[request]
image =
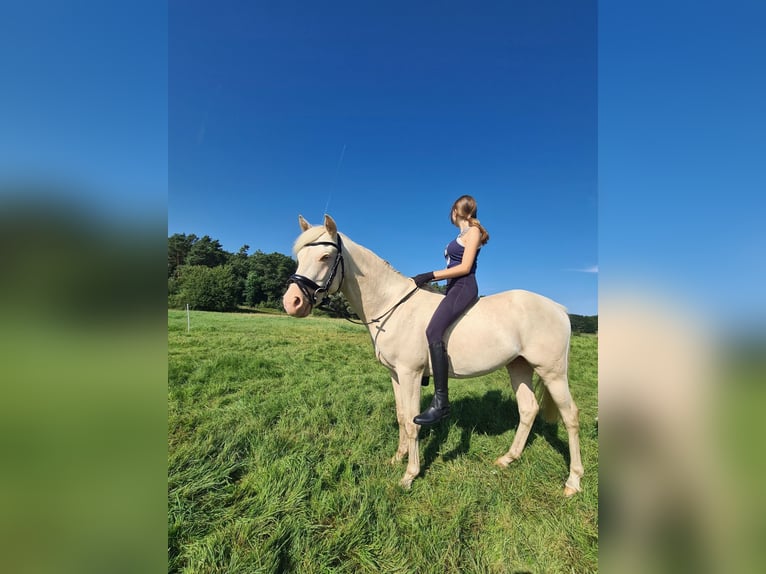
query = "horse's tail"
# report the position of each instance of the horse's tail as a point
(548, 408)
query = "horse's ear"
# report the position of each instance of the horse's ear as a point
(329, 225)
(303, 223)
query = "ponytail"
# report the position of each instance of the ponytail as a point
(473, 222)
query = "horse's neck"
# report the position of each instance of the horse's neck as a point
(372, 286)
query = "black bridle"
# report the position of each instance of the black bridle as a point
(308, 287)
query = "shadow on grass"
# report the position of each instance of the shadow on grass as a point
(245, 310)
(490, 414)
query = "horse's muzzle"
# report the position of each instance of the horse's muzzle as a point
(295, 303)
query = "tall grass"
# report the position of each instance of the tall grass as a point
(280, 436)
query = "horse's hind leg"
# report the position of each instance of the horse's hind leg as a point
(521, 381)
(558, 388)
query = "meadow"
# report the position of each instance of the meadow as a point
(280, 436)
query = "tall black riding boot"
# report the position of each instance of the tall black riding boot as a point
(440, 369)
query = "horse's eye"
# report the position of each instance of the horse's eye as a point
(325, 257)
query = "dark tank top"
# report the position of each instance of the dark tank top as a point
(454, 255)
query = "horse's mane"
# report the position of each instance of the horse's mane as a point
(314, 233)
(374, 255)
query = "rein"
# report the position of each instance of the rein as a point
(310, 289)
(391, 310)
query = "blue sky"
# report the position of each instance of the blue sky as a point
(382, 114)
(682, 155)
(232, 119)
(84, 101)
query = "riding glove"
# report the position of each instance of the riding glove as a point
(423, 278)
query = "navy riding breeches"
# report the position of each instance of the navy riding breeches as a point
(462, 292)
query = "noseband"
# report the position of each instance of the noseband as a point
(311, 289)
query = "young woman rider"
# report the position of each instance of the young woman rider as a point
(462, 291)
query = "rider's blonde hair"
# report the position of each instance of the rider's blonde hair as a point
(465, 207)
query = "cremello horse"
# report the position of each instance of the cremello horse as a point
(518, 330)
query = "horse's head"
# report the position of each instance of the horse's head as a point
(320, 267)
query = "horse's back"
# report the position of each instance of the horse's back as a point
(519, 307)
(527, 304)
(512, 323)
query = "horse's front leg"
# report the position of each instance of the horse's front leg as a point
(408, 406)
(403, 447)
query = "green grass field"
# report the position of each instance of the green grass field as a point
(280, 435)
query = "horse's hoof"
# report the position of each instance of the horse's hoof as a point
(503, 462)
(397, 459)
(406, 482)
(569, 491)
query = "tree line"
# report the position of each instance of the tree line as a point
(208, 278)
(584, 323)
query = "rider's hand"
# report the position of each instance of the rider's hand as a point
(423, 278)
